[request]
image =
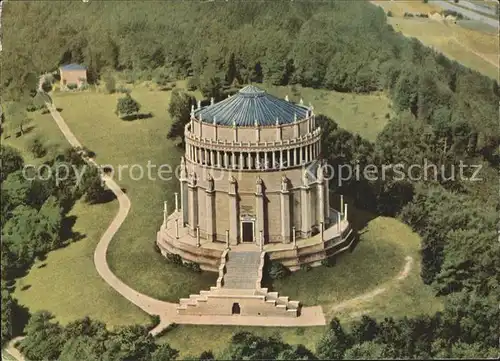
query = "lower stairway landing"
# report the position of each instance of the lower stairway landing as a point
(240, 293)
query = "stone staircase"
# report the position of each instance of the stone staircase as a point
(241, 270)
(239, 290)
(221, 301)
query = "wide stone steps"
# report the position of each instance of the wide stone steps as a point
(240, 287)
(204, 302)
(241, 270)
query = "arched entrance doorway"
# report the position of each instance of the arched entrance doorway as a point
(236, 309)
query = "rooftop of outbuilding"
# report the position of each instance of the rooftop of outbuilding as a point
(72, 67)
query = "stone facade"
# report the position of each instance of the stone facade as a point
(253, 182)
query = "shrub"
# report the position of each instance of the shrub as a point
(408, 15)
(174, 258)
(193, 266)
(46, 85)
(167, 329)
(459, 16)
(127, 106)
(192, 84)
(154, 321)
(71, 86)
(109, 83)
(130, 76)
(389, 13)
(37, 149)
(305, 267)
(84, 86)
(156, 247)
(161, 77)
(123, 90)
(278, 271)
(328, 262)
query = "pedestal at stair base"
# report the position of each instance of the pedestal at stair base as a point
(239, 292)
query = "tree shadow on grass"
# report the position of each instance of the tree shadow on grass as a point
(67, 234)
(106, 197)
(20, 317)
(130, 118)
(26, 130)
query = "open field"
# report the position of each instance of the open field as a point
(360, 271)
(41, 126)
(364, 114)
(399, 7)
(355, 273)
(475, 49)
(66, 282)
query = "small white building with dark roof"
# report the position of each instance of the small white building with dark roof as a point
(72, 74)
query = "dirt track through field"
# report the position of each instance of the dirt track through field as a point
(356, 301)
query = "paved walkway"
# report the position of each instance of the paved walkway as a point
(310, 316)
(12, 350)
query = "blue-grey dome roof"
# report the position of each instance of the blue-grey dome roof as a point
(252, 105)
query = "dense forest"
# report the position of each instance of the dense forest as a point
(446, 115)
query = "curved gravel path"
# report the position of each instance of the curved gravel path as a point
(149, 305)
(374, 293)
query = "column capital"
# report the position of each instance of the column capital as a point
(192, 179)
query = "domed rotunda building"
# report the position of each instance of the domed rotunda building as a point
(252, 182)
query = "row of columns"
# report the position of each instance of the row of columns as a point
(234, 222)
(254, 160)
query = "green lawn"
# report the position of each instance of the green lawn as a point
(193, 340)
(376, 259)
(41, 126)
(364, 114)
(66, 282)
(375, 262)
(131, 254)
